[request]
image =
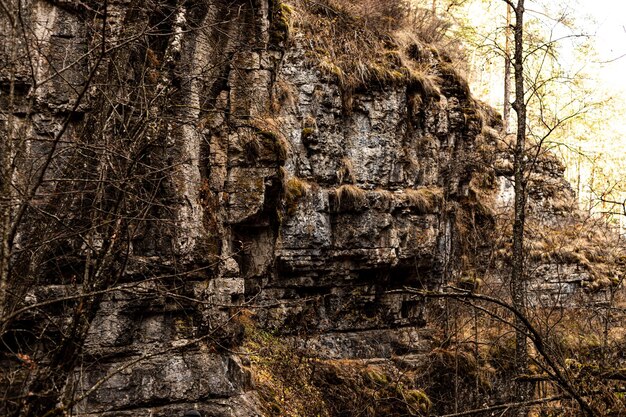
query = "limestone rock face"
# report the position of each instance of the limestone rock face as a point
(261, 188)
(239, 176)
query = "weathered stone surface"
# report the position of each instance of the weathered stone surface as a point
(237, 406)
(272, 196)
(251, 119)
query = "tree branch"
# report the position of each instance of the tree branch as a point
(508, 406)
(534, 335)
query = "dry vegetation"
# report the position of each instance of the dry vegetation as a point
(475, 361)
(294, 189)
(349, 197)
(372, 43)
(281, 377)
(291, 383)
(589, 245)
(423, 199)
(369, 43)
(556, 232)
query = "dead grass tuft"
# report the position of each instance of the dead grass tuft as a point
(424, 200)
(346, 172)
(294, 189)
(348, 197)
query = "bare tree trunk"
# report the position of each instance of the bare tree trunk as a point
(506, 103)
(523, 390)
(6, 172)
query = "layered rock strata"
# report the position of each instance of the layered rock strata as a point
(240, 177)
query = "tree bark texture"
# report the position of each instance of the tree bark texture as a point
(523, 390)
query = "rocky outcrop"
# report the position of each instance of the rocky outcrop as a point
(242, 179)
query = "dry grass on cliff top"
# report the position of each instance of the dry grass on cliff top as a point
(369, 42)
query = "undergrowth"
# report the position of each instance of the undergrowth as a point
(291, 383)
(281, 376)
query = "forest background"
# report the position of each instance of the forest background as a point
(580, 64)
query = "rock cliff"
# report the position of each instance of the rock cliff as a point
(221, 211)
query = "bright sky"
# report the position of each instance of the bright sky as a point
(608, 25)
(610, 36)
(605, 22)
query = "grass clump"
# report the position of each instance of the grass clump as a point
(346, 172)
(424, 200)
(294, 190)
(348, 197)
(417, 400)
